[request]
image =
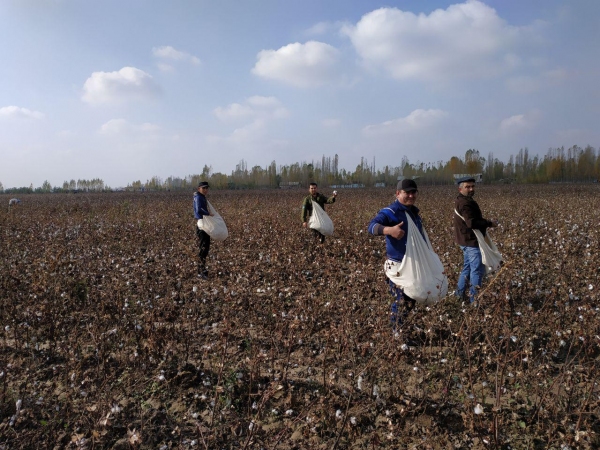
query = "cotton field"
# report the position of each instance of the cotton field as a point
(108, 339)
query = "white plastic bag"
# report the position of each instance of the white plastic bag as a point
(320, 221)
(421, 274)
(490, 255)
(214, 225)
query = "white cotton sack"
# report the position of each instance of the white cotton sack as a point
(421, 274)
(214, 225)
(320, 221)
(490, 255)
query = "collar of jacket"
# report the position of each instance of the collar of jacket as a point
(413, 209)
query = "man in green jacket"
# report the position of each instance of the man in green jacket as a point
(307, 207)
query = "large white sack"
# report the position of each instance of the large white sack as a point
(421, 274)
(320, 221)
(490, 255)
(214, 225)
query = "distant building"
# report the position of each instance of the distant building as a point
(290, 184)
(347, 186)
(478, 176)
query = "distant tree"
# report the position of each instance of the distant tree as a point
(135, 186)
(154, 183)
(206, 172)
(456, 165)
(498, 169)
(1, 187)
(218, 180)
(474, 162)
(586, 163)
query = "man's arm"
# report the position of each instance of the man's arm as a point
(200, 207)
(381, 226)
(306, 208)
(473, 218)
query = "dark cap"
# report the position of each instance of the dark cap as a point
(467, 179)
(406, 185)
(203, 184)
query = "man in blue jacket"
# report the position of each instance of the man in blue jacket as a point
(201, 210)
(391, 222)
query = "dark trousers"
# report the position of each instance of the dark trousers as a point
(401, 300)
(318, 236)
(203, 248)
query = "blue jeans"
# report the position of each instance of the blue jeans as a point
(400, 300)
(473, 272)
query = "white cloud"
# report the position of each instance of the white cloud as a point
(252, 139)
(527, 84)
(250, 132)
(319, 29)
(256, 107)
(519, 122)
(121, 126)
(128, 83)
(19, 113)
(301, 65)
(165, 67)
(168, 52)
(253, 136)
(66, 134)
(256, 114)
(115, 126)
(149, 127)
(268, 107)
(418, 120)
(331, 123)
(322, 28)
(264, 102)
(466, 40)
(233, 112)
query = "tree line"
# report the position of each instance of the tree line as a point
(574, 164)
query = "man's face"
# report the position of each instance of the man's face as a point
(312, 189)
(203, 190)
(467, 189)
(406, 198)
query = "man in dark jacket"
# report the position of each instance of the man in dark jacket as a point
(201, 210)
(469, 218)
(307, 208)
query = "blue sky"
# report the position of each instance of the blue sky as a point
(125, 90)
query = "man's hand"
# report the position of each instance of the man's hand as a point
(396, 231)
(494, 223)
(305, 224)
